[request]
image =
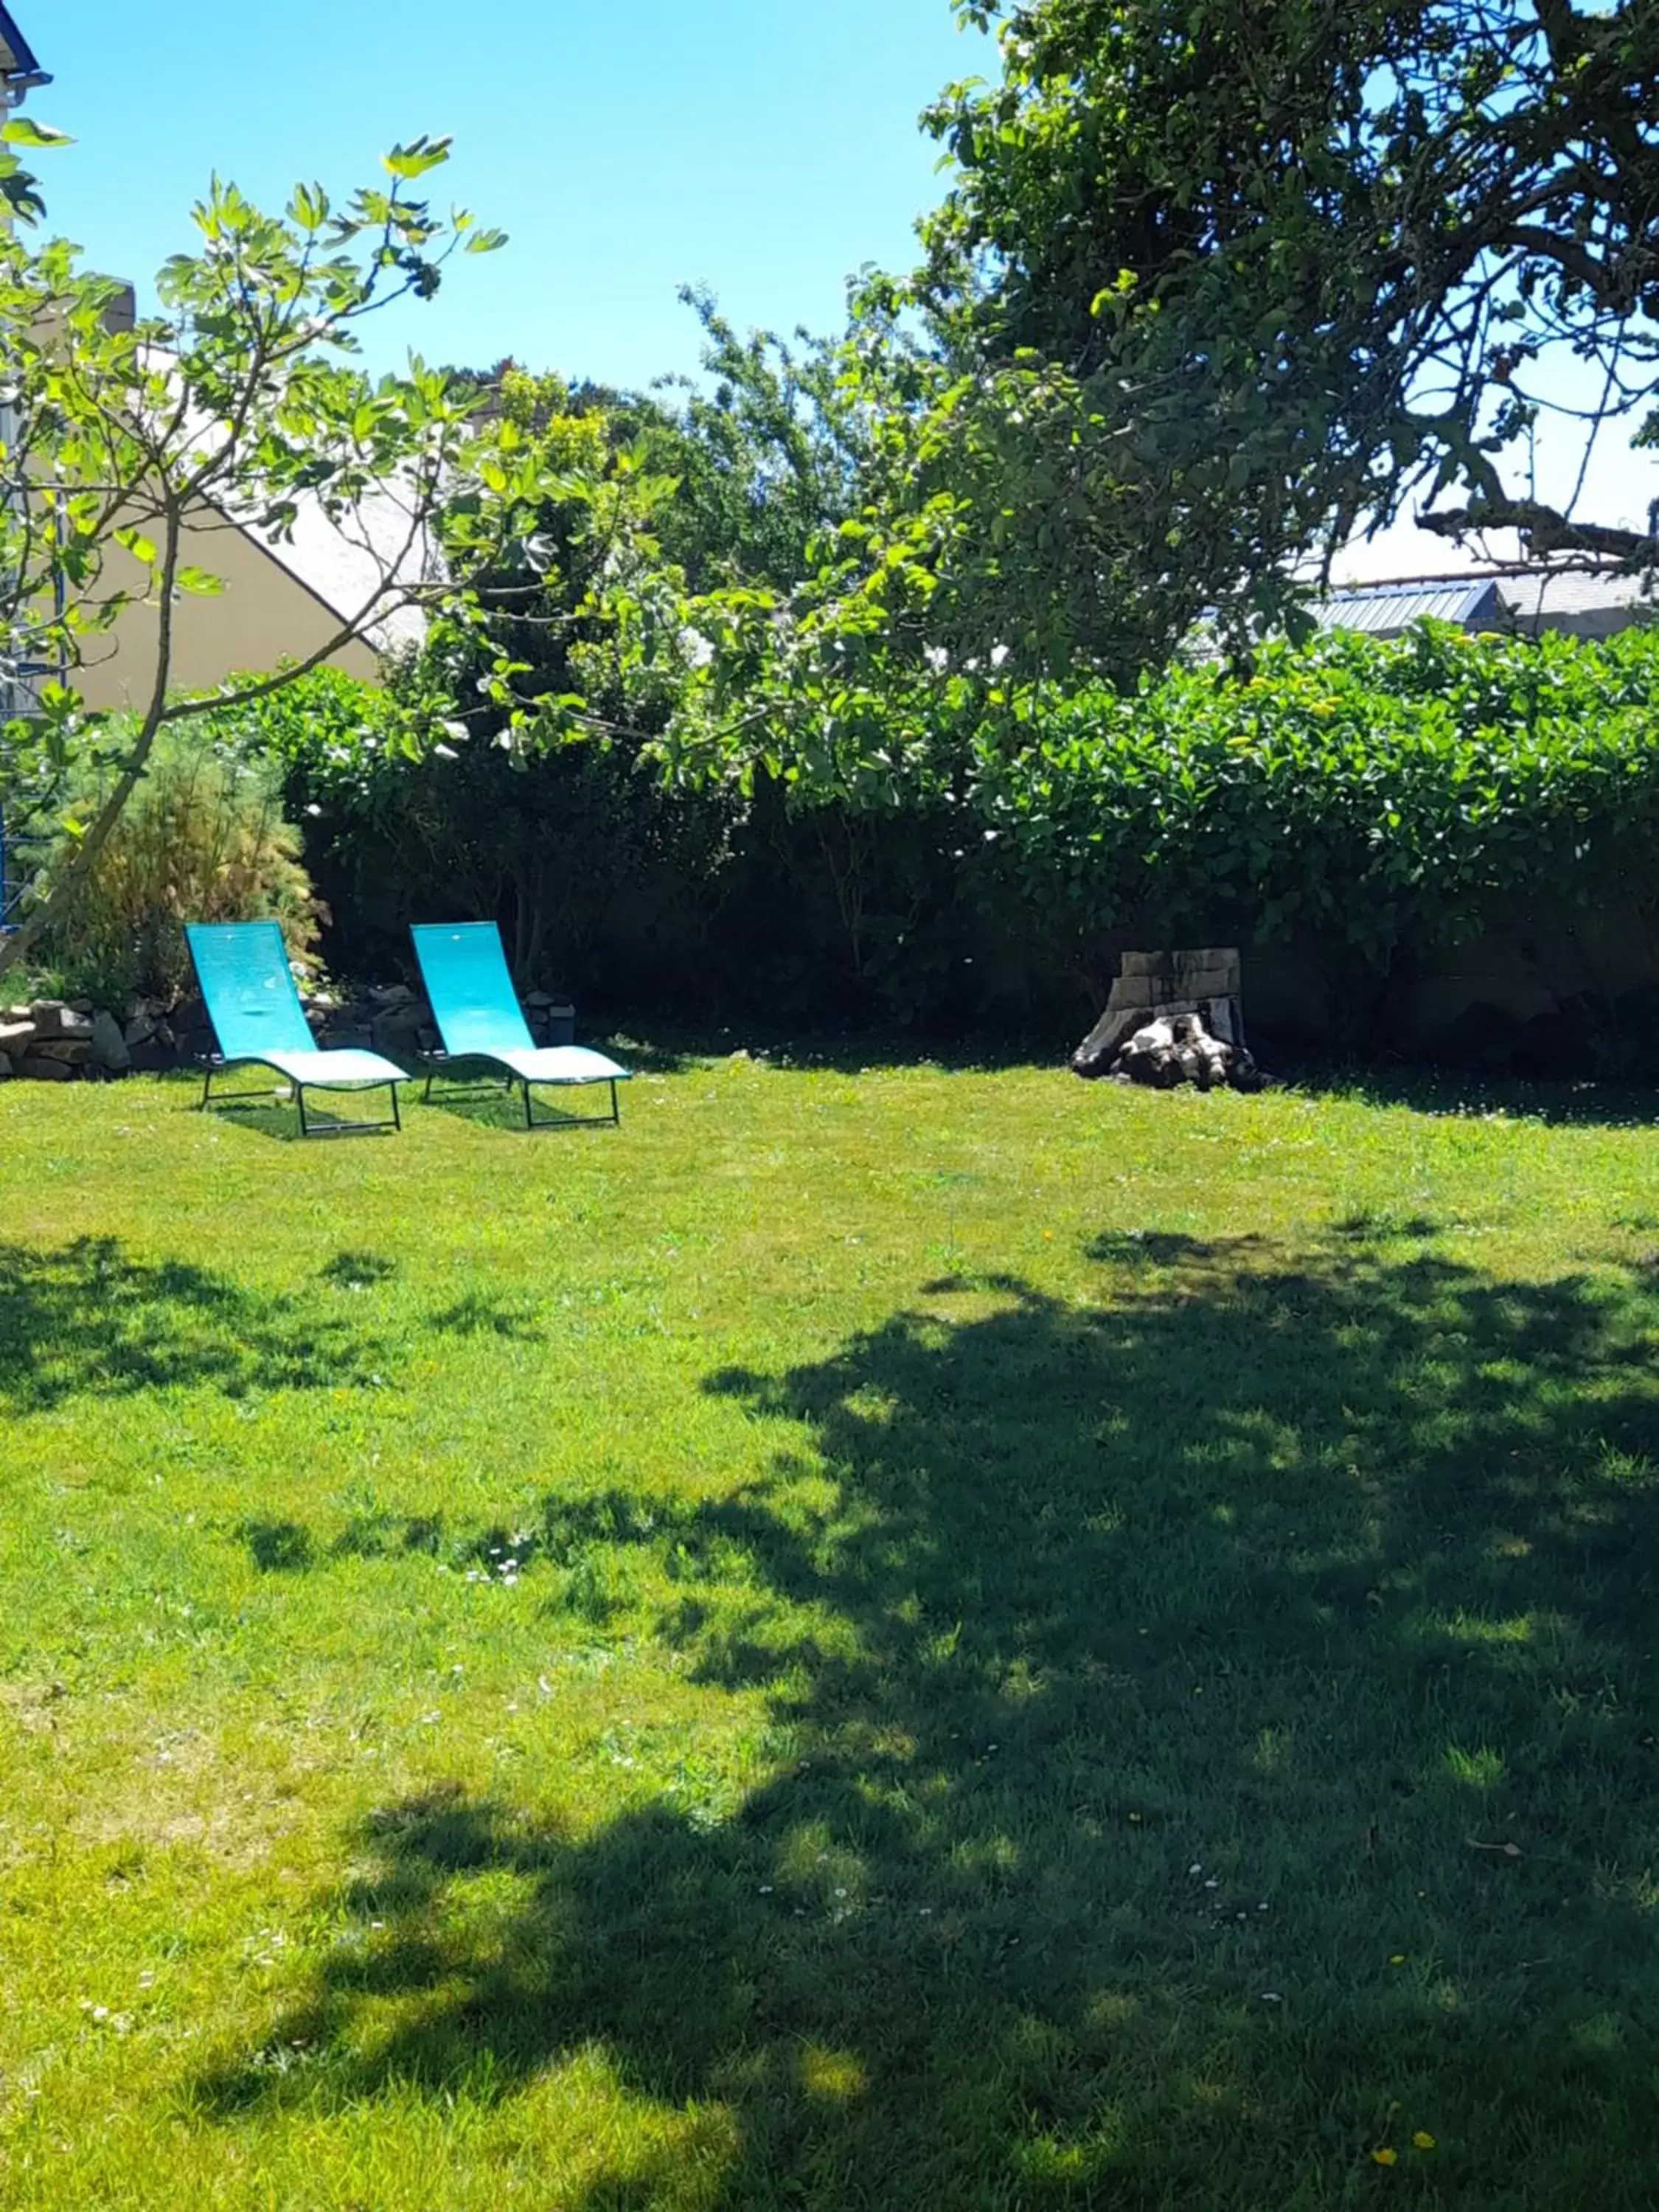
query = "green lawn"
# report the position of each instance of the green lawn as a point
(896, 1638)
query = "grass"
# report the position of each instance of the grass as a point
(896, 1638)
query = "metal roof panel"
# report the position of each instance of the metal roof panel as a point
(1382, 609)
(15, 51)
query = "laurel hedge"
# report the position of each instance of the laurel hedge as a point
(1368, 803)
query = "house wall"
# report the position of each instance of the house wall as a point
(263, 616)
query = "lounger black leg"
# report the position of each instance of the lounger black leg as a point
(561, 1120)
(239, 1101)
(308, 1128)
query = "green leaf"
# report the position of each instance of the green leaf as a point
(486, 242)
(416, 158)
(309, 207)
(141, 548)
(24, 131)
(199, 583)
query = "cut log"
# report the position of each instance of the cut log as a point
(1174, 1049)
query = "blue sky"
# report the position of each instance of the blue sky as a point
(764, 148)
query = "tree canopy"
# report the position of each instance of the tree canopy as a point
(241, 401)
(1297, 261)
(1214, 284)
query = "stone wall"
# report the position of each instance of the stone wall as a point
(63, 1041)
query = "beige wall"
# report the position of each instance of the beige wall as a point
(263, 616)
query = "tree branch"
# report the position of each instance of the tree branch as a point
(65, 891)
(1547, 531)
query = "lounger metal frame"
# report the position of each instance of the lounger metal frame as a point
(436, 1062)
(215, 1063)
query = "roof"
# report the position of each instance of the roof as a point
(17, 56)
(1381, 609)
(345, 563)
(1588, 602)
(1566, 592)
(353, 564)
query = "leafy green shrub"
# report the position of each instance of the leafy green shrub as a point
(969, 854)
(203, 838)
(600, 877)
(1368, 799)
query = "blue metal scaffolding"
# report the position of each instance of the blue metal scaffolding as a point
(17, 852)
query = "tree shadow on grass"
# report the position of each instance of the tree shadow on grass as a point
(484, 1313)
(278, 1548)
(88, 1319)
(1447, 1091)
(1212, 1738)
(669, 1049)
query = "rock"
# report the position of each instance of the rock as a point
(15, 1035)
(151, 1057)
(73, 1052)
(109, 1046)
(139, 1029)
(42, 1070)
(394, 994)
(5, 1066)
(397, 1028)
(53, 1019)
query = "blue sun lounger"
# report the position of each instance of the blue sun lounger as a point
(480, 1021)
(242, 967)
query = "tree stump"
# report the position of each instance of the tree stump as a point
(1172, 1018)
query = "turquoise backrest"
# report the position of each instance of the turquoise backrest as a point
(242, 967)
(473, 1001)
